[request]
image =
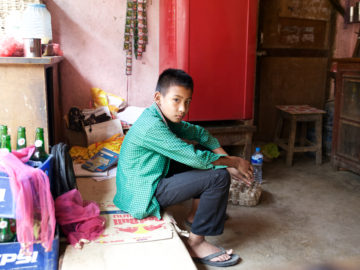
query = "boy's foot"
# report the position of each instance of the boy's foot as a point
(203, 249)
(234, 259)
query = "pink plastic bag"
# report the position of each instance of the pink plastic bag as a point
(11, 47)
(79, 219)
(35, 213)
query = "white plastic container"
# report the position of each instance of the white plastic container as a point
(37, 23)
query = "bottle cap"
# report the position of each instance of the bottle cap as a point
(257, 149)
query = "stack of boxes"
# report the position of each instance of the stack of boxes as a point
(10, 255)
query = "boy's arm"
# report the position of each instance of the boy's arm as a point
(239, 168)
(196, 133)
(162, 140)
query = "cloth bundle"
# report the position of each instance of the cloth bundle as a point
(34, 202)
(79, 219)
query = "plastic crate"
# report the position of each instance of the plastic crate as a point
(7, 203)
(10, 257)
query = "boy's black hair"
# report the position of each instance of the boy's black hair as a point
(173, 77)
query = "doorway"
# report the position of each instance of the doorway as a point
(295, 40)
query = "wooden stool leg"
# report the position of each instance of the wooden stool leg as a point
(278, 128)
(303, 133)
(318, 131)
(291, 142)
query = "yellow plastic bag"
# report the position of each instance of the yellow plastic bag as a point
(115, 103)
(102, 98)
(99, 97)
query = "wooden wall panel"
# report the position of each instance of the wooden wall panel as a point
(23, 100)
(295, 24)
(295, 43)
(286, 81)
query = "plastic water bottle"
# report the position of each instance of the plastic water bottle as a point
(257, 161)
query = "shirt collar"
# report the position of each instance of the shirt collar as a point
(160, 113)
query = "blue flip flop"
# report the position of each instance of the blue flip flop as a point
(234, 259)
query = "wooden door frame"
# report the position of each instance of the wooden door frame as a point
(291, 52)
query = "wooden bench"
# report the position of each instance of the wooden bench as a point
(232, 133)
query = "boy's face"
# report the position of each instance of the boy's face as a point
(175, 104)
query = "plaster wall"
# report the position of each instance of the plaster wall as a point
(91, 35)
(345, 38)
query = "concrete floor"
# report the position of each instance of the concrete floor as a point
(308, 215)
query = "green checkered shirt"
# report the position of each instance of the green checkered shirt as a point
(145, 157)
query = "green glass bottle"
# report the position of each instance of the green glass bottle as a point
(21, 138)
(6, 142)
(2, 141)
(6, 234)
(3, 130)
(39, 154)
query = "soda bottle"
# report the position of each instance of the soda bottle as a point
(13, 227)
(39, 155)
(257, 161)
(3, 130)
(6, 234)
(21, 138)
(6, 142)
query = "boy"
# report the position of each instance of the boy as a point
(145, 184)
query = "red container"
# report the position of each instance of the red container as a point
(215, 42)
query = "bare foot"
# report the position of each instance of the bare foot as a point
(200, 248)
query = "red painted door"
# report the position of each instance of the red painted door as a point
(215, 42)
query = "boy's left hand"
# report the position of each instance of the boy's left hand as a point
(235, 174)
(240, 169)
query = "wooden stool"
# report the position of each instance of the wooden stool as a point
(303, 114)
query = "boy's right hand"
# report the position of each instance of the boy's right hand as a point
(238, 167)
(236, 175)
(244, 170)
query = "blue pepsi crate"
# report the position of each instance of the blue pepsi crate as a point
(10, 257)
(7, 203)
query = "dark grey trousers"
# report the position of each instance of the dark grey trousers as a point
(211, 186)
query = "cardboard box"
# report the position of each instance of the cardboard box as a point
(10, 257)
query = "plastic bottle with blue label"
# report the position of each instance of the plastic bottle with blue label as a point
(257, 162)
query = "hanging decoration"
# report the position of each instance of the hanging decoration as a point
(136, 37)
